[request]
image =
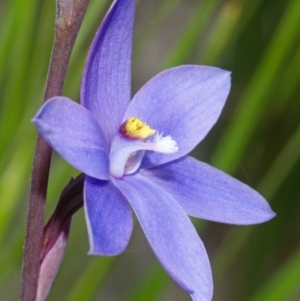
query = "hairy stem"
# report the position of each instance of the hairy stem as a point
(69, 16)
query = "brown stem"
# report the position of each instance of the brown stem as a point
(69, 16)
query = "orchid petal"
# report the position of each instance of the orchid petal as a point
(106, 82)
(206, 192)
(121, 149)
(126, 154)
(108, 217)
(183, 102)
(171, 235)
(74, 133)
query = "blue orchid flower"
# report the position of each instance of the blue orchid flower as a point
(134, 155)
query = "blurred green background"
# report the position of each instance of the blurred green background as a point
(257, 139)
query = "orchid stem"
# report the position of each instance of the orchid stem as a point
(68, 20)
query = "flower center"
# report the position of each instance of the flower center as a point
(129, 146)
(135, 128)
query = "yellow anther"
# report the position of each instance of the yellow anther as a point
(135, 128)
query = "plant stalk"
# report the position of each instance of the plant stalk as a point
(68, 20)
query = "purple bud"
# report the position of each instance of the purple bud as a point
(56, 235)
(51, 262)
